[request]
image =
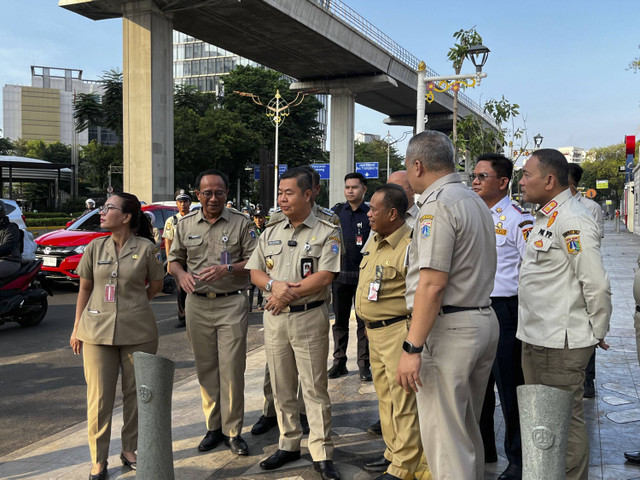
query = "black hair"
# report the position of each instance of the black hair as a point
(553, 162)
(575, 172)
(212, 171)
(500, 164)
(140, 224)
(315, 175)
(302, 176)
(394, 197)
(358, 176)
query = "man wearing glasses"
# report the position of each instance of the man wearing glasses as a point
(215, 243)
(491, 179)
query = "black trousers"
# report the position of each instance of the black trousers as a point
(181, 296)
(507, 374)
(590, 372)
(343, 298)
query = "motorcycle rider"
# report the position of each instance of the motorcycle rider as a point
(10, 255)
(90, 204)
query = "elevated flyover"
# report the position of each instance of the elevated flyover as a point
(322, 43)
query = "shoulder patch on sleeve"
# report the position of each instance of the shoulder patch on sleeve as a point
(525, 223)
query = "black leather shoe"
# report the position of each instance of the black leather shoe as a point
(589, 389)
(378, 464)
(304, 423)
(633, 457)
(278, 459)
(387, 476)
(211, 440)
(513, 472)
(181, 324)
(337, 371)
(127, 463)
(375, 428)
(237, 445)
(365, 374)
(263, 425)
(102, 475)
(327, 469)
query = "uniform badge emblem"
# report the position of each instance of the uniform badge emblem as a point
(269, 263)
(501, 231)
(526, 232)
(499, 210)
(134, 256)
(572, 239)
(425, 228)
(502, 217)
(252, 233)
(552, 219)
(538, 243)
(335, 248)
(548, 208)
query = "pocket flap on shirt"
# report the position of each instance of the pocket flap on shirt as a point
(273, 250)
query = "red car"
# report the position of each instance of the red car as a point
(62, 250)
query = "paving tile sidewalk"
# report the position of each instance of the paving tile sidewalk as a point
(613, 417)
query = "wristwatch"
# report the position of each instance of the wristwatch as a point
(229, 268)
(267, 287)
(410, 348)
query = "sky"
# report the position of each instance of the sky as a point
(564, 62)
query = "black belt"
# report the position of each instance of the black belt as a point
(305, 307)
(385, 323)
(503, 299)
(212, 295)
(637, 308)
(449, 309)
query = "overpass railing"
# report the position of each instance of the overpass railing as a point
(346, 14)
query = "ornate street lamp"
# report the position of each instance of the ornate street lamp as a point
(537, 140)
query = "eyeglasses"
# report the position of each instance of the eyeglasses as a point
(208, 194)
(481, 177)
(105, 209)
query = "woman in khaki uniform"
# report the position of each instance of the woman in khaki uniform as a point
(114, 319)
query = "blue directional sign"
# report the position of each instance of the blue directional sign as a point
(368, 169)
(323, 169)
(282, 167)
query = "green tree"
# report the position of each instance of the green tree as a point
(376, 151)
(95, 159)
(189, 97)
(457, 54)
(6, 146)
(634, 64)
(603, 164)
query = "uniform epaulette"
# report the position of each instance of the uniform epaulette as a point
(328, 224)
(274, 222)
(327, 211)
(518, 208)
(190, 214)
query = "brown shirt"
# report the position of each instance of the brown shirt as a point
(454, 234)
(389, 254)
(199, 244)
(317, 245)
(128, 319)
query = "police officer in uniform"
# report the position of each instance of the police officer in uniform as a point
(381, 305)
(268, 418)
(295, 262)
(491, 180)
(564, 294)
(215, 244)
(453, 336)
(183, 202)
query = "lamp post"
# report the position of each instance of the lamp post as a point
(277, 110)
(537, 141)
(389, 143)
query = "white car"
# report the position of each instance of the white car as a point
(15, 215)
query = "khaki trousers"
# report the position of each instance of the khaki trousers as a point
(101, 366)
(269, 407)
(297, 347)
(217, 331)
(456, 363)
(563, 368)
(398, 410)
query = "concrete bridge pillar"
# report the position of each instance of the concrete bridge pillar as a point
(147, 101)
(341, 126)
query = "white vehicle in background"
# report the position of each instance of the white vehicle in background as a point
(14, 212)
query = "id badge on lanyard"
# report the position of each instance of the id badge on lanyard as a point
(225, 256)
(374, 287)
(359, 239)
(110, 289)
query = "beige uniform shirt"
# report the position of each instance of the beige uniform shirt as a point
(320, 212)
(199, 244)
(454, 234)
(595, 210)
(170, 226)
(384, 262)
(128, 318)
(564, 292)
(317, 248)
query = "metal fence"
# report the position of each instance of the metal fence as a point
(347, 15)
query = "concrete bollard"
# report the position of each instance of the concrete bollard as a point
(545, 415)
(154, 384)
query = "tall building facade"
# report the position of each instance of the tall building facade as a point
(44, 110)
(204, 65)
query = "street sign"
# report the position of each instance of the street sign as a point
(368, 169)
(109, 189)
(282, 167)
(591, 193)
(323, 169)
(622, 168)
(602, 184)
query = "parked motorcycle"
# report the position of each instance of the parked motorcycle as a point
(23, 295)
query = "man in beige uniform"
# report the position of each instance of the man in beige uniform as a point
(295, 262)
(634, 456)
(564, 294)
(215, 244)
(268, 418)
(451, 271)
(381, 305)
